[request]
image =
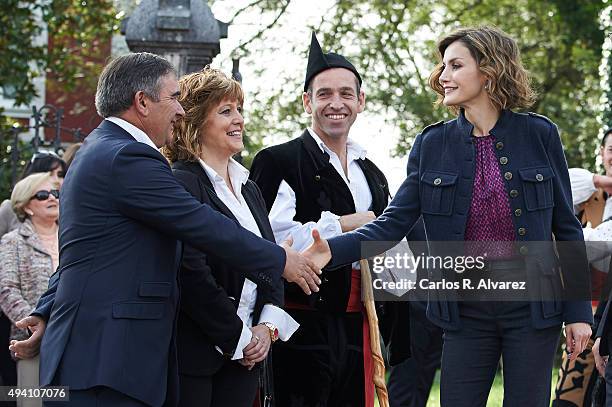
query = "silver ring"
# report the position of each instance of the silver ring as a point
(256, 338)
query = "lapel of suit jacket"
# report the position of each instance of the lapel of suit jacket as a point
(197, 169)
(260, 215)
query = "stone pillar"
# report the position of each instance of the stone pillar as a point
(183, 31)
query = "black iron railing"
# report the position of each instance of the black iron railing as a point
(45, 117)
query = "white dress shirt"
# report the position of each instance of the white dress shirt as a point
(134, 131)
(283, 210)
(286, 325)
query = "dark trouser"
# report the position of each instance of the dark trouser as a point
(233, 385)
(471, 355)
(99, 396)
(608, 378)
(322, 364)
(8, 368)
(608, 373)
(410, 381)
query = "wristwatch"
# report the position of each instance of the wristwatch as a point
(273, 331)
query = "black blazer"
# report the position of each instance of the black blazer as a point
(210, 291)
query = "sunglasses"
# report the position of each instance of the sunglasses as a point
(44, 195)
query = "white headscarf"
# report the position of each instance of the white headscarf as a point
(582, 185)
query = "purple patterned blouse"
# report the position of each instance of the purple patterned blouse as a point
(490, 217)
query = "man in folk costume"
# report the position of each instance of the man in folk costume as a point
(322, 180)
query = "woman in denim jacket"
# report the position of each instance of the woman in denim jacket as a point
(500, 179)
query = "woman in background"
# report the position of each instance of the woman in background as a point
(28, 257)
(40, 162)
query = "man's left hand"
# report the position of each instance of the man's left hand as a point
(29, 348)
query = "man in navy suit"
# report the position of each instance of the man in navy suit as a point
(111, 311)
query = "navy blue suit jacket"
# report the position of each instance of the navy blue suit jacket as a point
(438, 186)
(112, 311)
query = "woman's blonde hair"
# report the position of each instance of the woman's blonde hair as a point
(25, 189)
(200, 92)
(498, 58)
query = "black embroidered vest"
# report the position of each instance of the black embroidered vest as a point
(318, 187)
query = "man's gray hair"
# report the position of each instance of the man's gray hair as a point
(126, 75)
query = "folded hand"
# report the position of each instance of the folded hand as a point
(258, 348)
(30, 347)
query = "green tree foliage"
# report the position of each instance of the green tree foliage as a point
(607, 69)
(394, 44)
(78, 33)
(12, 161)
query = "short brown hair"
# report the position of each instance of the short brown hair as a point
(200, 92)
(498, 58)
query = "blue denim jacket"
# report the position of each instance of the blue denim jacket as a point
(439, 184)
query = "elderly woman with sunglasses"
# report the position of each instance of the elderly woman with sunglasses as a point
(40, 162)
(28, 257)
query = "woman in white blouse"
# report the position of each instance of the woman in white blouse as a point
(227, 323)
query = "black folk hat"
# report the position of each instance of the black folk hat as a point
(319, 62)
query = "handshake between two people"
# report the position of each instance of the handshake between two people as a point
(304, 268)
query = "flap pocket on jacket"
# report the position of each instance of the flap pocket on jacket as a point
(439, 179)
(539, 174)
(538, 187)
(138, 310)
(155, 289)
(438, 192)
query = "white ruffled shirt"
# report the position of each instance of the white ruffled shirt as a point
(283, 210)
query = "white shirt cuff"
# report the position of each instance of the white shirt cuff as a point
(328, 227)
(245, 339)
(279, 318)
